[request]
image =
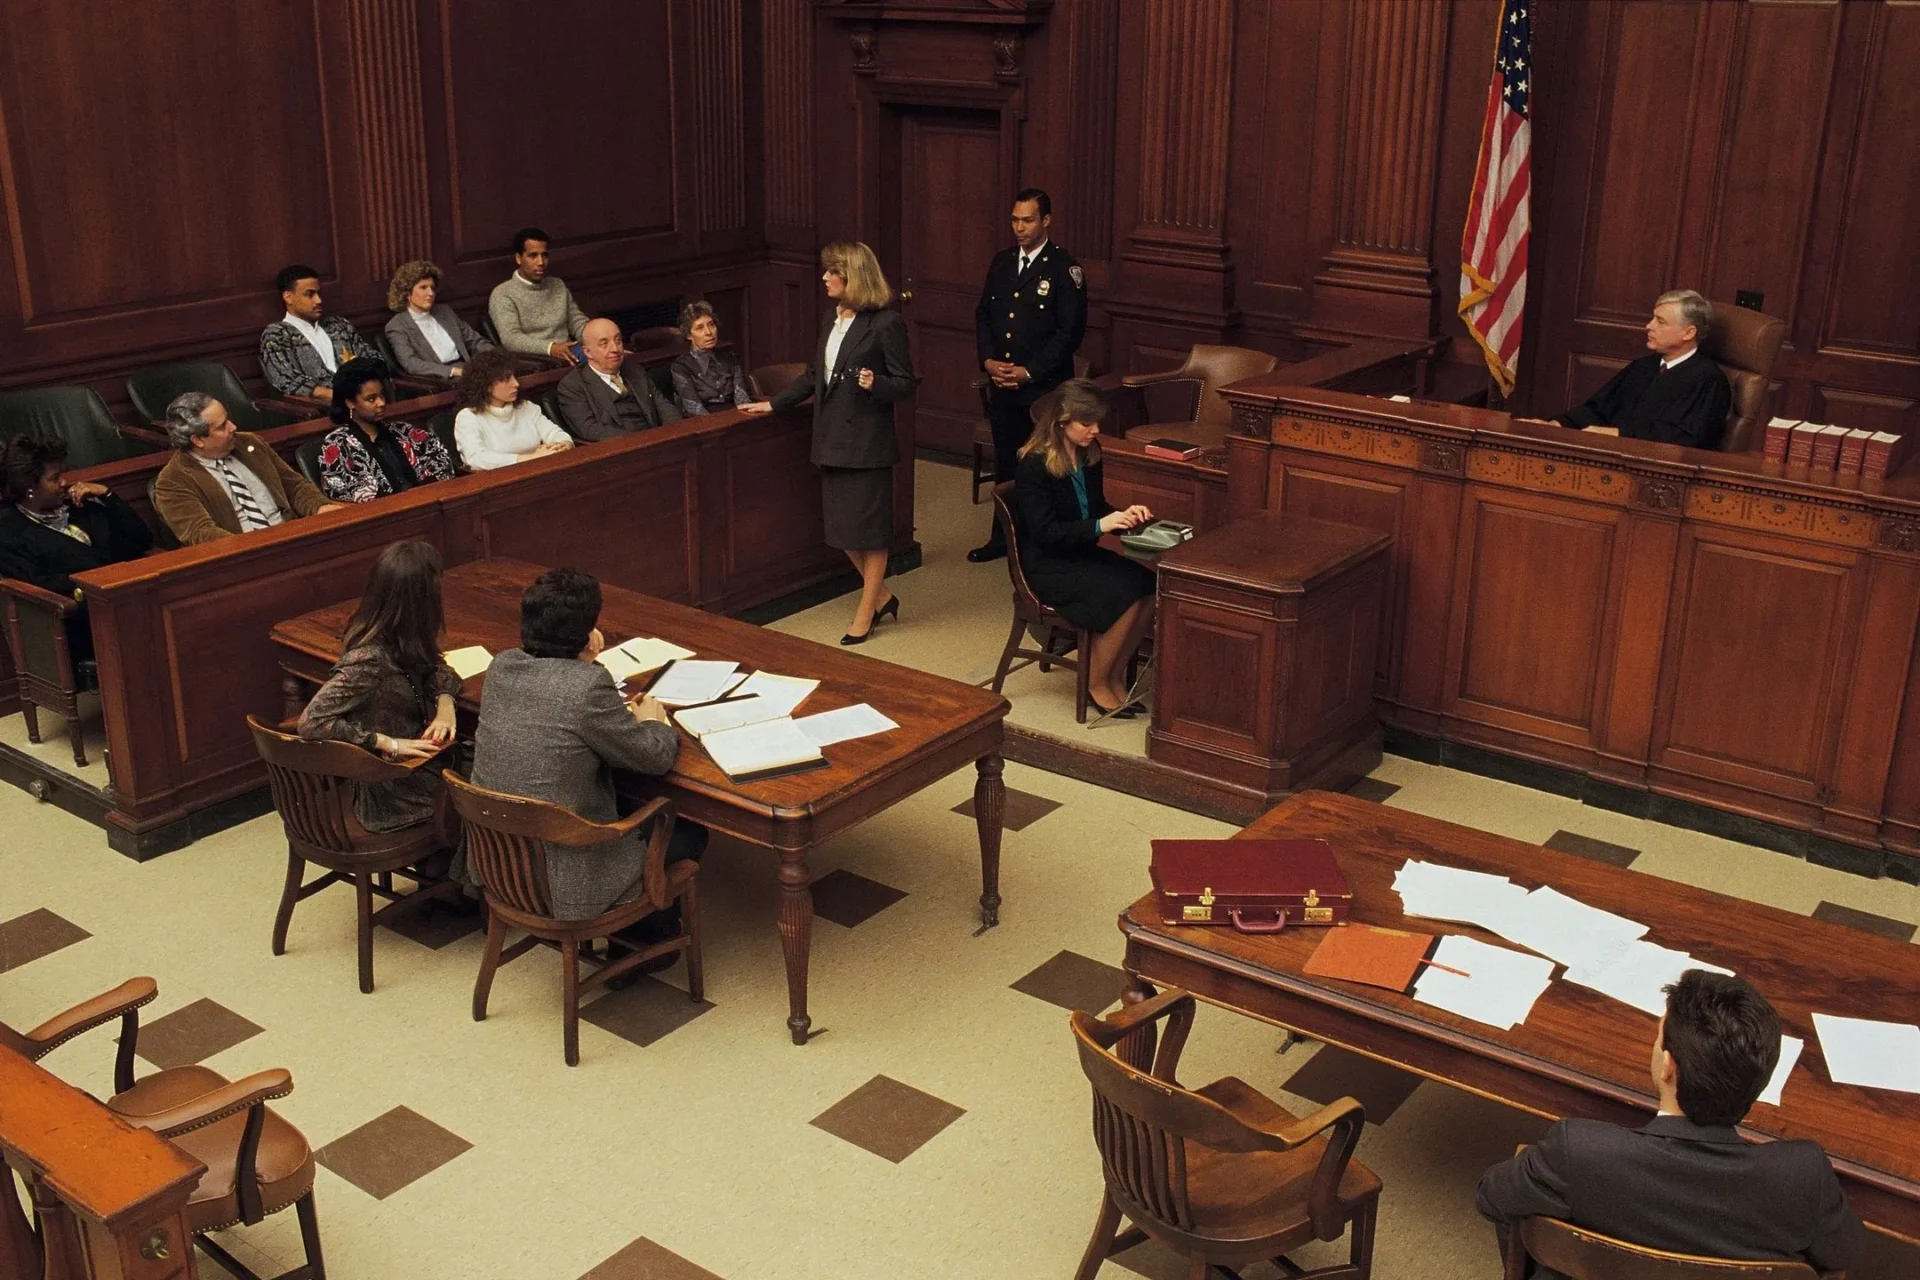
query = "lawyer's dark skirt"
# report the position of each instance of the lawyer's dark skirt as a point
(858, 505)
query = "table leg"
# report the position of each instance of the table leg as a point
(989, 802)
(796, 936)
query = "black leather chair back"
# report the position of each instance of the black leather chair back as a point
(76, 415)
(151, 390)
(306, 459)
(163, 535)
(441, 424)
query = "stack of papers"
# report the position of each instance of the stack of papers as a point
(639, 656)
(468, 662)
(1638, 974)
(1571, 932)
(843, 725)
(690, 681)
(1879, 1055)
(1448, 893)
(1492, 984)
(784, 692)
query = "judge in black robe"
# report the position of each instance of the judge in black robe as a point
(1675, 394)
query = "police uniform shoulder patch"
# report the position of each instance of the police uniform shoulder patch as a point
(1079, 277)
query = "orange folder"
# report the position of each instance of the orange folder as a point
(1367, 953)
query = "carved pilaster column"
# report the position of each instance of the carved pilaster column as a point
(720, 179)
(787, 70)
(1379, 276)
(1186, 93)
(384, 58)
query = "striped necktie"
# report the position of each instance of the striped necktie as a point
(251, 516)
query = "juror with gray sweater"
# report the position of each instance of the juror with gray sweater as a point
(555, 729)
(530, 317)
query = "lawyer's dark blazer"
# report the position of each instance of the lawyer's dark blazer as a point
(31, 552)
(1685, 405)
(1682, 1187)
(851, 427)
(1060, 548)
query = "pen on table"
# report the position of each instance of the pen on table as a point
(1446, 968)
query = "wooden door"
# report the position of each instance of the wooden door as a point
(952, 219)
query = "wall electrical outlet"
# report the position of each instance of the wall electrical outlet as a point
(1751, 299)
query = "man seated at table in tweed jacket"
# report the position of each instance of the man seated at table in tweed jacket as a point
(554, 727)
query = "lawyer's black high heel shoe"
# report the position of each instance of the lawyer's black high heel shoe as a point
(851, 638)
(891, 609)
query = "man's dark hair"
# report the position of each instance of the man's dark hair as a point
(1725, 1041)
(558, 613)
(525, 234)
(26, 459)
(349, 378)
(1039, 197)
(290, 276)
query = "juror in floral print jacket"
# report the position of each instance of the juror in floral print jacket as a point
(350, 473)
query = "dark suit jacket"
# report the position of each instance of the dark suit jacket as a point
(1687, 405)
(1682, 1187)
(851, 427)
(197, 509)
(31, 552)
(1036, 319)
(416, 355)
(587, 403)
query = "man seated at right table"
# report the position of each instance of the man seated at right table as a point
(1688, 1182)
(1676, 395)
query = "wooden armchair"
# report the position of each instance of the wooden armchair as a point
(506, 851)
(1030, 613)
(769, 380)
(312, 785)
(37, 622)
(256, 1162)
(1580, 1254)
(1220, 1174)
(1213, 368)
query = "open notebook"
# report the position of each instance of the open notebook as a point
(763, 749)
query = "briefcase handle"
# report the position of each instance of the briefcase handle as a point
(1279, 923)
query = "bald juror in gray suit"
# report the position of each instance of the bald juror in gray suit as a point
(554, 727)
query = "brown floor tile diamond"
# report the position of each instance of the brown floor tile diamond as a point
(1073, 981)
(1374, 789)
(1834, 913)
(1021, 809)
(192, 1033)
(645, 1011)
(849, 899)
(645, 1260)
(890, 1119)
(26, 938)
(391, 1152)
(1573, 842)
(1334, 1073)
(434, 924)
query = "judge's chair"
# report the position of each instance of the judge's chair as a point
(1211, 368)
(1580, 1254)
(1221, 1175)
(312, 784)
(506, 852)
(37, 623)
(1745, 343)
(256, 1162)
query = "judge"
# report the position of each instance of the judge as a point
(1675, 395)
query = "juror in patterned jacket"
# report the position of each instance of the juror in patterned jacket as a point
(367, 455)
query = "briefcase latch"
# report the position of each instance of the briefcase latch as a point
(1313, 912)
(1202, 912)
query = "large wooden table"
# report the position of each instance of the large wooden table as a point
(944, 725)
(1578, 1053)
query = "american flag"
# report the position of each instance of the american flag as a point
(1493, 249)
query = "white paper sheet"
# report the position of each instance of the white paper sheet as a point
(1638, 974)
(843, 725)
(1567, 930)
(785, 692)
(718, 717)
(693, 680)
(639, 655)
(1450, 893)
(769, 744)
(468, 662)
(1496, 986)
(1790, 1047)
(1879, 1055)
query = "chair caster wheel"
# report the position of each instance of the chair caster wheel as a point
(39, 790)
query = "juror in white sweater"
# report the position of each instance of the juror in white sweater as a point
(503, 434)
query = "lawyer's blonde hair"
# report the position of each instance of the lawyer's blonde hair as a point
(852, 261)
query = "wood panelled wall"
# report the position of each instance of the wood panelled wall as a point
(1277, 173)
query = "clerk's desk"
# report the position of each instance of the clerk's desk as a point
(943, 726)
(1669, 622)
(721, 512)
(1579, 1053)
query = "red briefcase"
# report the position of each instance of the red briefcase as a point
(1257, 886)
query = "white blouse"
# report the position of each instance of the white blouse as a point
(840, 326)
(496, 437)
(436, 335)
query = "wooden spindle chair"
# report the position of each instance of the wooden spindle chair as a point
(256, 1162)
(1580, 1254)
(1029, 614)
(507, 838)
(313, 786)
(1221, 1174)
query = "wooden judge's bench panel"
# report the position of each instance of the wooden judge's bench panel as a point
(1708, 626)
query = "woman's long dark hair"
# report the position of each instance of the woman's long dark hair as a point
(401, 609)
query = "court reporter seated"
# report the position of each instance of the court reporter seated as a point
(495, 427)
(369, 455)
(1687, 1182)
(221, 481)
(1061, 511)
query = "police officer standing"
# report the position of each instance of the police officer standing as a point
(1031, 318)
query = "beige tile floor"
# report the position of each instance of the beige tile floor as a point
(703, 1142)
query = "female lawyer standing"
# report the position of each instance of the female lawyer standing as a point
(860, 368)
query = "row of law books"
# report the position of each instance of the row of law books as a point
(1871, 455)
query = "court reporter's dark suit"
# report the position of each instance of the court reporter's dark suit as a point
(1682, 1187)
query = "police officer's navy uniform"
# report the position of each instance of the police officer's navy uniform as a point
(1036, 319)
